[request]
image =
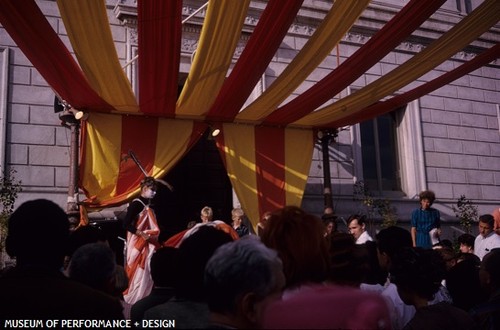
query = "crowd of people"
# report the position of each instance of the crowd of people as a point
(296, 271)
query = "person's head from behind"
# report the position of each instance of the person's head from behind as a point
(193, 256)
(471, 257)
(241, 279)
(163, 266)
(466, 242)
(462, 281)
(356, 225)
(489, 271)
(206, 214)
(366, 261)
(94, 265)
(85, 235)
(449, 256)
(426, 198)
(486, 223)
(298, 238)
(417, 273)
(443, 244)
(389, 241)
(38, 232)
(148, 187)
(342, 266)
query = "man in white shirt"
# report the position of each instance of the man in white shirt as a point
(357, 227)
(487, 239)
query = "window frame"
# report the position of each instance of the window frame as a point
(409, 149)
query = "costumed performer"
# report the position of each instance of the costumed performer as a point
(142, 240)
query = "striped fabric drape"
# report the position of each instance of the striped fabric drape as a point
(410, 17)
(33, 34)
(108, 175)
(93, 45)
(266, 176)
(466, 31)
(259, 51)
(335, 25)
(268, 165)
(219, 37)
(383, 107)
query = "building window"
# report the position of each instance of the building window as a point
(388, 153)
(379, 153)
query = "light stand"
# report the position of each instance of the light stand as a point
(71, 118)
(325, 137)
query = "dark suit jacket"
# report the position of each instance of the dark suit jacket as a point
(47, 294)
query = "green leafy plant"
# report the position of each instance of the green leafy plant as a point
(9, 189)
(375, 206)
(466, 212)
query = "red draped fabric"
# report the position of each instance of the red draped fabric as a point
(139, 134)
(33, 34)
(397, 101)
(270, 167)
(394, 32)
(160, 30)
(252, 63)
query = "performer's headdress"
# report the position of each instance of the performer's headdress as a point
(149, 182)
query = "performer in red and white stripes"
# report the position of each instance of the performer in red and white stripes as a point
(142, 240)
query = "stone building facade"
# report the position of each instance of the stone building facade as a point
(447, 141)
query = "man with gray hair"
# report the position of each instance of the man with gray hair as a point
(241, 279)
(237, 216)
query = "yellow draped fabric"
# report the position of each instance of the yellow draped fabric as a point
(172, 144)
(219, 37)
(241, 149)
(297, 164)
(240, 166)
(335, 25)
(102, 161)
(471, 27)
(89, 32)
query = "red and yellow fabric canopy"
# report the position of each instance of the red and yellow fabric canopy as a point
(266, 146)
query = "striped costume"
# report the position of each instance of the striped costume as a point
(139, 253)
